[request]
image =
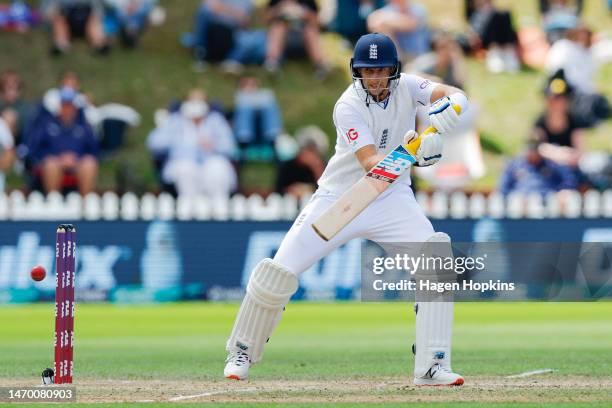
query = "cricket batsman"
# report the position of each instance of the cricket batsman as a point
(373, 116)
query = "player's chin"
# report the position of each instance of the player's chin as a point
(376, 93)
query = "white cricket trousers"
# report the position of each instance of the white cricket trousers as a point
(393, 217)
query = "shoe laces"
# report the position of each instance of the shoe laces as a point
(436, 369)
(239, 358)
(444, 368)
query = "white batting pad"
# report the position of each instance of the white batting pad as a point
(434, 319)
(434, 324)
(269, 289)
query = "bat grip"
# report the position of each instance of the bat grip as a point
(413, 146)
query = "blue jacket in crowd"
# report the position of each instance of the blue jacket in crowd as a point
(524, 177)
(48, 136)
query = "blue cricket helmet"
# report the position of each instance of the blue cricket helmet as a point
(375, 51)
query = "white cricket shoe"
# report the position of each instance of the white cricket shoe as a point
(237, 366)
(439, 375)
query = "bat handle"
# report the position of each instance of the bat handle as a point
(413, 146)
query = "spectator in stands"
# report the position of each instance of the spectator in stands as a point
(299, 176)
(16, 112)
(63, 145)
(405, 22)
(351, 16)
(73, 19)
(573, 56)
(129, 18)
(561, 135)
(110, 121)
(7, 151)
(446, 63)
(257, 117)
(491, 29)
(558, 16)
(51, 100)
(17, 17)
(287, 18)
(50, 106)
(249, 48)
(215, 26)
(199, 145)
(531, 172)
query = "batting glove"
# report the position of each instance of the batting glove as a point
(444, 113)
(429, 149)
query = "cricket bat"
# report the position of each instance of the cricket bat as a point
(367, 189)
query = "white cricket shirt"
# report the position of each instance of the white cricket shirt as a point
(381, 124)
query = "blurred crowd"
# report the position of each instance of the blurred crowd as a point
(199, 147)
(99, 22)
(56, 143)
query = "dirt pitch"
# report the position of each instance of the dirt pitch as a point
(538, 389)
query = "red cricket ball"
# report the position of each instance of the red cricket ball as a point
(38, 273)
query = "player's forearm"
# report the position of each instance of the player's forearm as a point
(368, 157)
(372, 161)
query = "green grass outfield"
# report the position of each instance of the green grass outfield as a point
(322, 353)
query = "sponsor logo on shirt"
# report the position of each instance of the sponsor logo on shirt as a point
(383, 139)
(300, 220)
(352, 134)
(425, 84)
